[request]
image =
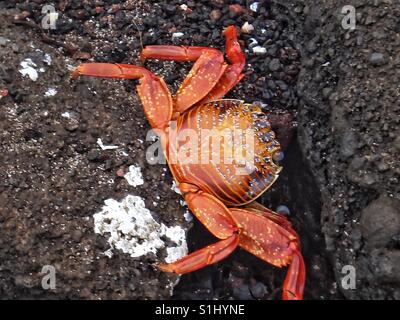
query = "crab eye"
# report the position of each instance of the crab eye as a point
(278, 156)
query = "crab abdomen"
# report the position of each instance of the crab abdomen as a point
(225, 148)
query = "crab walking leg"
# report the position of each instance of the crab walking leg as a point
(233, 74)
(274, 243)
(272, 215)
(176, 53)
(216, 217)
(214, 90)
(203, 76)
(203, 257)
(293, 286)
(294, 282)
(152, 90)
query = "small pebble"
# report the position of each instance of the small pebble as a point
(378, 59)
(274, 65)
(247, 27)
(259, 50)
(177, 35)
(282, 209)
(236, 9)
(183, 7)
(254, 6)
(215, 15)
(93, 155)
(3, 41)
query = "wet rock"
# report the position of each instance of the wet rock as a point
(311, 46)
(357, 163)
(215, 15)
(170, 9)
(382, 166)
(362, 178)
(348, 145)
(326, 92)
(378, 59)
(282, 85)
(25, 281)
(274, 65)
(72, 124)
(385, 265)
(257, 289)
(396, 143)
(240, 288)
(236, 9)
(3, 41)
(380, 221)
(94, 155)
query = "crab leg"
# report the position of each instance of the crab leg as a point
(203, 76)
(152, 90)
(233, 74)
(269, 214)
(278, 245)
(203, 257)
(176, 53)
(216, 217)
(209, 78)
(293, 286)
(256, 230)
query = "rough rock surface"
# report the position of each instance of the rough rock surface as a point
(349, 134)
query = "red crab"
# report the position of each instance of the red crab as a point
(221, 199)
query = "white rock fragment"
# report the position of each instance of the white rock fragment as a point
(66, 114)
(28, 69)
(103, 147)
(188, 216)
(259, 50)
(177, 235)
(326, 64)
(247, 27)
(108, 253)
(131, 226)
(47, 59)
(254, 6)
(3, 41)
(50, 92)
(177, 35)
(253, 43)
(133, 230)
(175, 187)
(134, 176)
(182, 203)
(70, 67)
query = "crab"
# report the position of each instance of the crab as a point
(219, 194)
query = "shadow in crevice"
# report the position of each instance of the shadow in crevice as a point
(296, 189)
